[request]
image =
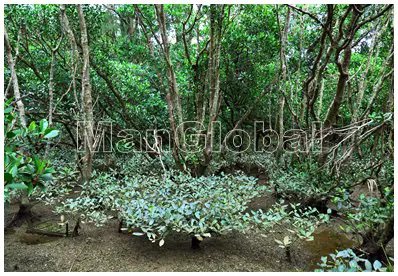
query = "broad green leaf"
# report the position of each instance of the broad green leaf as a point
(19, 186)
(368, 265)
(47, 177)
(11, 134)
(30, 188)
(377, 265)
(14, 170)
(43, 125)
(32, 126)
(51, 134)
(8, 177)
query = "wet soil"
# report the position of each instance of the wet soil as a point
(104, 249)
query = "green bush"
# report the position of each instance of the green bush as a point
(24, 168)
(196, 206)
(199, 207)
(304, 180)
(348, 261)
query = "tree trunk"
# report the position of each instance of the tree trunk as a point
(24, 215)
(379, 85)
(320, 99)
(173, 96)
(195, 243)
(343, 67)
(216, 19)
(75, 54)
(87, 100)
(284, 79)
(51, 89)
(363, 79)
(11, 63)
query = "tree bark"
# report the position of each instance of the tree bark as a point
(87, 100)
(283, 58)
(216, 21)
(173, 96)
(51, 88)
(379, 85)
(75, 54)
(11, 63)
(343, 66)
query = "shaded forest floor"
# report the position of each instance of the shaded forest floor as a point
(104, 249)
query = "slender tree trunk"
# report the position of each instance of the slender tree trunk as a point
(87, 100)
(343, 67)
(67, 31)
(17, 94)
(312, 82)
(151, 49)
(8, 89)
(173, 96)
(282, 95)
(379, 85)
(75, 54)
(362, 85)
(216, 20)
(320, 103)
(199, 88)
(50, 96)
(51, 88)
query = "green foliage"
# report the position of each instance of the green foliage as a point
(176, 203)
(348, 261)
(302, 179)
(301, 224)
(195, 206)
(63, 182)
(23, 167)
(95, 201)
(140, 164)
(369, 214)
(199, 207)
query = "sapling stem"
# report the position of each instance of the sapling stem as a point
(288, 254)
(195, 243)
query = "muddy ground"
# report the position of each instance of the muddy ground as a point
(104, 249)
